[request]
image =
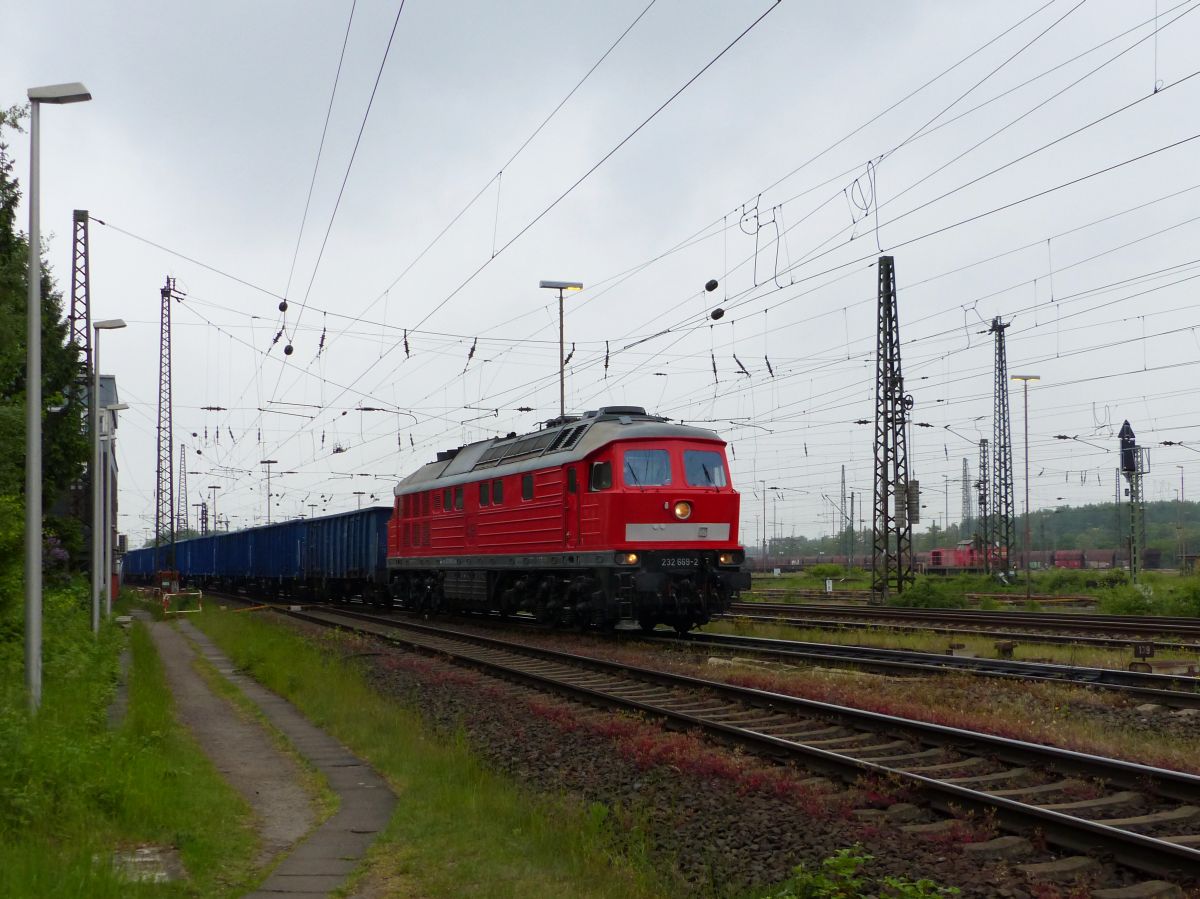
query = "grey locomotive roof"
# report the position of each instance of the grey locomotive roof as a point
(554, 445)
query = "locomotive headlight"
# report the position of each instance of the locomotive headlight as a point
(683, 510)
(627, 558)
(727, 559)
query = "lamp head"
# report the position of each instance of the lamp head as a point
(72, 92)
(116, 407)
(561, 285)
(109, 324)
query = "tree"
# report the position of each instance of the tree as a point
(64, 440)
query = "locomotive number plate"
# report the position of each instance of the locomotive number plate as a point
(679, 562)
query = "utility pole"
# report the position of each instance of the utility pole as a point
(312, 510)
(896, 499)
(215, 518)
(1182, 542)
(842, 516)
(763, 484)
(1002, 478)
(268, 463)
(853, 534)
(164, 510)
(202, 517)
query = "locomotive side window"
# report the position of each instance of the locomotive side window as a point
(703, 468)
(526, 486)
(446, 500)
(497, 491)
(571, 484)
(458, 499)
(647, 468)
(601, 476)
(485, 494)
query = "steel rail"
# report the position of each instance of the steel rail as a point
(1112, 624)
(1052, 638)
(1138, 851)
(1175, 690)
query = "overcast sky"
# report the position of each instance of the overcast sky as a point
(826, 135)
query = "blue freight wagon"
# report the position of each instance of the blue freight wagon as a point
(327, 558)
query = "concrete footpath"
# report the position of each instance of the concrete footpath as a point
(269, 779)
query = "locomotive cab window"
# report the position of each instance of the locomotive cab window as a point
(647, 468)
(458, 499)
(497, 491)
(704, 468)
(526, 486)
(446, 499)
(572, 486)
(485, 494)
(601, 476)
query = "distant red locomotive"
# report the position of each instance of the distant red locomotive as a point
(615, 515)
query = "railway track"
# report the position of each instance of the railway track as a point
(1119, 631)
(1145, 818)
(1176, 691)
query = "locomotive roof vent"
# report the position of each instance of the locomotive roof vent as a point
(622, 410)
(447, 455)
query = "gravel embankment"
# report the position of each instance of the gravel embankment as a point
(721, 820)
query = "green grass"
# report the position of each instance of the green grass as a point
(459, 829)
(72, 790)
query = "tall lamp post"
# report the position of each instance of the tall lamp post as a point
(99, 474)
(57, 94)
(1025, 379)
(216, 521)
(561, 286)
(268, 463)
(107, 519)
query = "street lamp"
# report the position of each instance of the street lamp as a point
(561, 286)
(1025, 379)
(56, 94)
(268, 463)
(98, 474)
(360, 494)
(108, 522)
(216, 521)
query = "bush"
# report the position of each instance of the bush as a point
(930, 593)
(826, 569)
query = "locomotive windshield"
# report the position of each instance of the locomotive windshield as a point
(703, 468)
(647, 468)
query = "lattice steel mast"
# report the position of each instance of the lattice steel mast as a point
(79, 332)
(79, 319)
(966, 528)
(984, 525)
(894, 495)
(164, 511)
(1002, 471)
(1135, 462)
(183, 521)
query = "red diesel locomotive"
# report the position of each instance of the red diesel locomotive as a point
(612, 516)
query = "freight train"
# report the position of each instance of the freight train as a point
(613, 516)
